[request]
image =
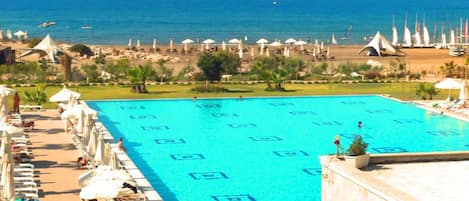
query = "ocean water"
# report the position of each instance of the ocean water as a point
(114, 21)
(264, 149)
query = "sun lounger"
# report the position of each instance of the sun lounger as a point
(23, 179)
(31, 107)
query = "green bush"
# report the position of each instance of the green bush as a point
(358, 146)
(82, 49)
(209, 89)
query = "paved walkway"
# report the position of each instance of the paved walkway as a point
(55, 157)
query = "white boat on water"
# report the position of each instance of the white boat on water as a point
(395, 35)
(86, 27)
(334, 40)
(47, 24)
(426, 36)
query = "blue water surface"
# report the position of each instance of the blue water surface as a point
(114, 21)
(264, 149)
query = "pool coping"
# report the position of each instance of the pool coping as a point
(126, 162)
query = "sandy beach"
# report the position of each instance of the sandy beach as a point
(417, 59)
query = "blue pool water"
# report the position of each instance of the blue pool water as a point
(264, 149)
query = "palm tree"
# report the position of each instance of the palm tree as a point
(38, 96)
(139, 75)
(426, 91)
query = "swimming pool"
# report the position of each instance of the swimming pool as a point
(264, 149)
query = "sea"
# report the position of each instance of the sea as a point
(115, 21)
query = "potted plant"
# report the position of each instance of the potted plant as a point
(357, 152)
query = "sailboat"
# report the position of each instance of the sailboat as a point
(407, 42)
(395, 37)
(334, 41)
(452, 38)
(466, 32)
(347, 34)
(442, 44)
(417, 37)
(426, 35)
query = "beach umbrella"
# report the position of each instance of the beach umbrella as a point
(114, 161)
(9, 36)
(101, 190)
(64, 95)
(262, 41)
(99, 154)
(322, 46)
(19, 34)
(290, 41)
(25, 35)
(223, 46)
(138, 44)
(314, 52)
(240, 53)
(267, 52)
(261, 52)
(107, 154)
(463, 91)
(8, 183)
(1, 34)
(328, 52)
(316, 43)
(187, 41)
(208, 42)
(201, 47)
(234, 41)
(171, 44)
(252, 52)
(103, 173)
(6, 90)
(130, 43)
(91, 146)
(154, 44)
(275, 44)
(3, 108)
(240, 45)
(449, 84)
(100, 51)
(301, 43)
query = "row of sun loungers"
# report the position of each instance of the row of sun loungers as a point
(23, 171)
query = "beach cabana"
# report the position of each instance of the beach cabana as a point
(46, 47)
(378, 46)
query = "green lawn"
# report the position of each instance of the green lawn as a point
(404, 91)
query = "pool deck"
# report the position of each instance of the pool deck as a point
(394, 180)
(55, 157)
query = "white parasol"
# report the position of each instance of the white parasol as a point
(449, 84)
(262, 41)
(290, 41)
(64, 95)
(463, 91)
(234, 41)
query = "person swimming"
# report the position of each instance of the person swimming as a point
(360, 124)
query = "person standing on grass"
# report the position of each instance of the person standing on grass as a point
(16, 103)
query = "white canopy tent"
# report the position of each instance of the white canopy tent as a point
(378, 45)
(64, 95)
(46, 47)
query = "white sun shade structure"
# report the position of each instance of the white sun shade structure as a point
(463, 91)
(378, 45)
(130, 43)
(19, 34)
(234, 41)
(290, 41)
(262, 41)
(187, 41)
(449, 84)
(275, 44)
(138, 44)
(99, 155)
(208, 42)
(46, 47)
(6, 90)
(64, 95)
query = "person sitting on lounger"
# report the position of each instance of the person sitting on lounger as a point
(81, 162)
(463, 105)
(25, 124)
(120, 144)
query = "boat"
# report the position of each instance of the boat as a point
(86, 27)
(47, 24)
(452, 37)
(417, 36)
(334, 41)
(395, 37)
(347, 34)
(426, 36)
(456, 51)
